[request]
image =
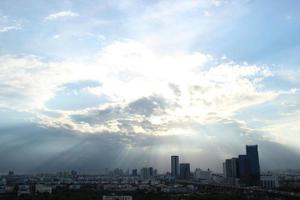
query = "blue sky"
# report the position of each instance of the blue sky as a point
(153, 78)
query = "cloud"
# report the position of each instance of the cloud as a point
(9, 28)
(9, 24)
(291, 75)
(62, 14)
(284, 128)
(136, 91)
(192, 85)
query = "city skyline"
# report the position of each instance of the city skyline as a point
(89, 85)
(243, 167)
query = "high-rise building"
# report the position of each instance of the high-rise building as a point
(254, 169)
(231, 170)
(134, 172)
(175, 166)
(151, 171)
(235, 167)
(147, 172)
(228, 168)
(224, 169)
(244, 172)
(245, 167)
(185, 170)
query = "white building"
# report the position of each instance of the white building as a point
(269, 181)
(41, 188)
(202, 175)
(74, 187)
(117, 197)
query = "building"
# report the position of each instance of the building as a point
(134, 172)
(253, 161)
(175, 166)
(231, 170)
(150, 171)
(224, 169)
(23, 190)
(185, 170)
(116, 197)
(244, 169)
(202, 175)
(269, 181)
(147, 173)
(41, 188)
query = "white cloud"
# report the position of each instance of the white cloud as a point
(194, 87)
(122, 66)
(9, 28)
(289, 75)
(56, 36)
(285, 129)
(62, 14)
(8, 24)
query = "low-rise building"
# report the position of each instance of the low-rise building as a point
(202, 175)
(41, 188)
(269, 181)
(116, 197)
(23, 190)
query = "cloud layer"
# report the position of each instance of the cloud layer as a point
(138, 84)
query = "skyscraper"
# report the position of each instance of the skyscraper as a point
(175, 166)
(231, 170)
(244, 172)
(254, 169)
(185, 170)
(134, 172)
(245, 167)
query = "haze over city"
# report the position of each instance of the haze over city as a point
(89, 85)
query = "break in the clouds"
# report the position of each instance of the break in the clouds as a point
(144, 80)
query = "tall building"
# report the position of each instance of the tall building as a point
(151, 171)
(134, 172)
(147, 172)
(228, 168)
(185, 170)
(254, 169)
(224, 169)
(175, 166)
(245, 167)
(244, 171)
(235, 167)
(231, 170)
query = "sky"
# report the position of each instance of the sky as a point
(94, 84)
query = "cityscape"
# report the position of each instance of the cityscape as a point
(241, 179)
(149, 100)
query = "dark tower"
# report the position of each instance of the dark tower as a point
(253, 161)
(175, 166)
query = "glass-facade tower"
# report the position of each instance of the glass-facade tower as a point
(175, 166)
